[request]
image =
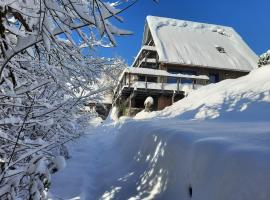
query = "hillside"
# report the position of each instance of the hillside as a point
(214, 144)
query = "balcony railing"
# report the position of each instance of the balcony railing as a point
(130, 80)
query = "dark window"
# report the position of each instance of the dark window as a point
(220, 49)
(149, 79)
(141, 78)
(171, 80)
(185, 72)
(213, 77)
(152, 79)
(149, 65)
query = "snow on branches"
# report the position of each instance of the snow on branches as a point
(26, 23)
(46, 79)
(40, 105)
(264, 59)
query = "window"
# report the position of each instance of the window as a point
(213, 77)
(152, 79)
(185, 72)
(141, 78)
(188, 72)
(220, 49)
(148, 78)
(172, 79)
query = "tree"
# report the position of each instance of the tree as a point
(45, 79)
(26, 23)
(264, 59)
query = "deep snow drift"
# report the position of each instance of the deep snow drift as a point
(168, 159)
(175, 154)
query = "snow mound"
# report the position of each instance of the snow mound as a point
(169, 159)
(198, 160)
(243, 99)
(149, 100)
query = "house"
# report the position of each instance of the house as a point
(177, 57)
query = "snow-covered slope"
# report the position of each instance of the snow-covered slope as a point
(214, 144)
(166, 157)
(243, 99)
(172, 159)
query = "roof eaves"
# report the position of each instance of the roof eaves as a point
(204, 66)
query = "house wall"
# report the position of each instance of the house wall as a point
(223, 74)
(164, 101)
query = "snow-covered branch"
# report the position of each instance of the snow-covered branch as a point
(46, 80)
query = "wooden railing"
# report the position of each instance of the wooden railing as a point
(129, 79)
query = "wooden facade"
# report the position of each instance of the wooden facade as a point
(135, 86)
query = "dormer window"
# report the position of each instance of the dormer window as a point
(220, 49)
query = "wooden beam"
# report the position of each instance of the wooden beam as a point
(146, 86)
(162, 83)
(129, 79)
(173, 96)
(178, 86)
(130, 99)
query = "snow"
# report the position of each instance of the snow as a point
(149, 101)
(59, 162)
(78, 179)
(181, 152)
(264, 59)
(192, 43)
(144, 47)
(186, 87)
(162, 159)
(157, 72)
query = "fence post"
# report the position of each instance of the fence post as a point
(146, 82)
(162, 83)
(129, 77)
(178, 82)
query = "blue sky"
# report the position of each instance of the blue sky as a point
(249, 18)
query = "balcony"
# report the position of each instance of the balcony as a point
(155, 82)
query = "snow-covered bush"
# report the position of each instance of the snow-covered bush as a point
(264, 59)
(148, 103)
(47, 75)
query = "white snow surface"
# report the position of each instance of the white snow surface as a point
(158, 72)
(149, 101)
(193, 43)
(186, 87)
(175, 155)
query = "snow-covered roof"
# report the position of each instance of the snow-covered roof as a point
(199, 44)
(144, 47)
